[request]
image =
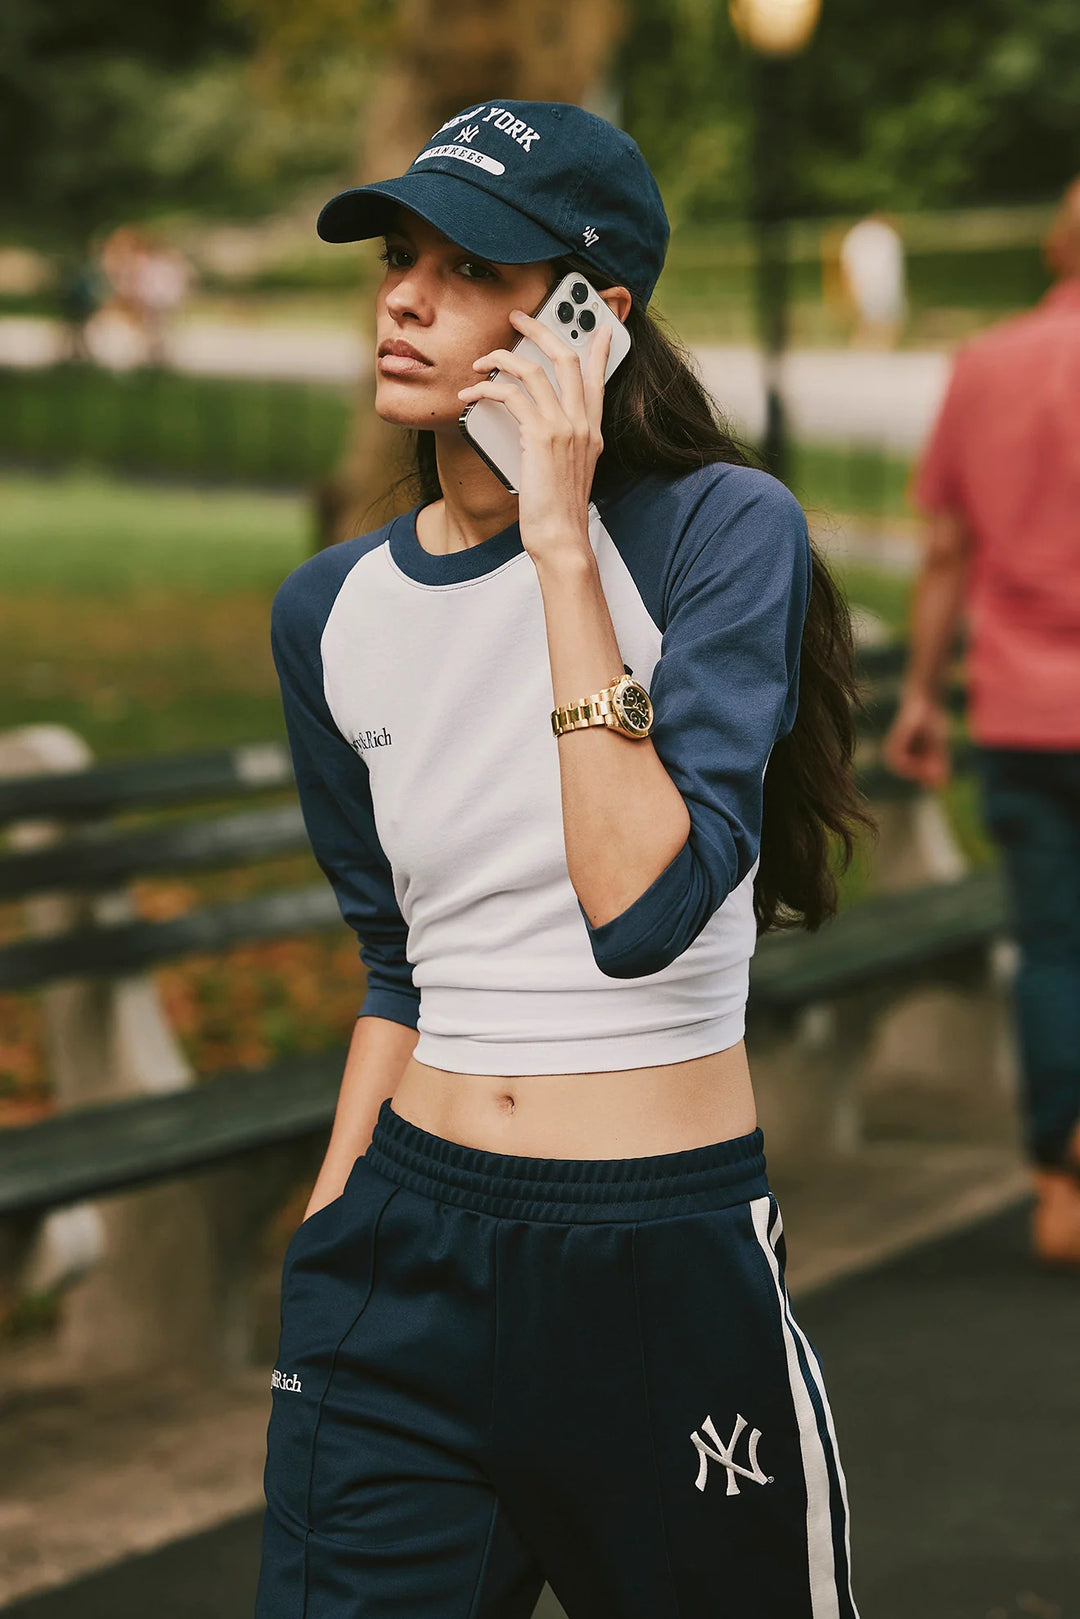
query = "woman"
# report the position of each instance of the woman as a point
(534, 1323)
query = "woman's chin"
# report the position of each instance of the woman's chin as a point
(414, 412)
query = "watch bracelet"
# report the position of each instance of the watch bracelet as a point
(576, 716)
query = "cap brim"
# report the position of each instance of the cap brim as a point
(465, 213)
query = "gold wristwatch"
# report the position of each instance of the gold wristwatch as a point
(624, 706)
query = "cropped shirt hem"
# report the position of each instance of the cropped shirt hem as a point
(462, 1054)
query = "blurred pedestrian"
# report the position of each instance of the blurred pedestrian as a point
(80, 292)
(872, 271)
(163, 279)
(121, 255)
(1000, 480)
(148, 282)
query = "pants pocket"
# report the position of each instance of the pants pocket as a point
(329, 1213)
(326, 1284)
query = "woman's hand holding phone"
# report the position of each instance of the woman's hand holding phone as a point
(560, 433)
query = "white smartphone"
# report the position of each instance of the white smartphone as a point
(576, 313)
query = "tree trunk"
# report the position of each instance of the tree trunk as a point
(443, 58)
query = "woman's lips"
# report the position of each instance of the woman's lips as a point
(401, 365)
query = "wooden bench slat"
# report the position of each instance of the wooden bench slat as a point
(94, 1151)
(878, 938)
(126, 947)
(100, 1150)
(141, 783)
(99, 857)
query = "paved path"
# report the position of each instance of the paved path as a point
(843, 395)
(953, 1377)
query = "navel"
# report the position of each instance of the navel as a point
(506, 1102)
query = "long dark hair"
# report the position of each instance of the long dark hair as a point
(659, 417)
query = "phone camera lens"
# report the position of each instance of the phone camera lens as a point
(579, 292)
(566, 313)
(586, 320)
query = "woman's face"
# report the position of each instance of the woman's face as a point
(450, 307)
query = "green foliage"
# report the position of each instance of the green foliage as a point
(934, 103)
(682, 79)
(169, 423)
(288, 433)
(129, 110)
(942, 102)
(121, 111)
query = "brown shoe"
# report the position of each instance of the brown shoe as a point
(1055, 1226)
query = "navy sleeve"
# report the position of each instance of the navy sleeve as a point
(335, 798)
(724, 688)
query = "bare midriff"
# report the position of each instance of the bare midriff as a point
(626, 1113)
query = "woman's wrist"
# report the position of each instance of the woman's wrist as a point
(378, 1055)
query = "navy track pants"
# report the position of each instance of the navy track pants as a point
(495, 1370)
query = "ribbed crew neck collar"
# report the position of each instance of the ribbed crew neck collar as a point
(453, 567)
(458, 567)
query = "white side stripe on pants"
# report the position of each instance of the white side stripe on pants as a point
(815, 1373)
(824, 1598)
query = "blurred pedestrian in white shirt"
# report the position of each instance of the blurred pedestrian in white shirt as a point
(148, 281)
(872, 267)
(163, 280)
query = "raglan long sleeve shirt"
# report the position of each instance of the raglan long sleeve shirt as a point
(417, 696)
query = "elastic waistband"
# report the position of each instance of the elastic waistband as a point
(567, 1189)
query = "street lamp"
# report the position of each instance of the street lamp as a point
(775, 27)
(775, 31)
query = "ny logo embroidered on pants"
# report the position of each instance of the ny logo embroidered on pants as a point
(725, 1455)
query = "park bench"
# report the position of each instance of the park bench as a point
(76, 844)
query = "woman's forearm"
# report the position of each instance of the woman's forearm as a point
(624, 819)
(378, 1054)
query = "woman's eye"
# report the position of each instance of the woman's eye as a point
(483, 272)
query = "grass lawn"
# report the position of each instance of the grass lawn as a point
(138, 614)
(84, 534)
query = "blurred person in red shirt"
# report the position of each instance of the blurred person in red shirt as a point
(999, 480)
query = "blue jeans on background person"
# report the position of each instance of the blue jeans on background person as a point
(1031, 807)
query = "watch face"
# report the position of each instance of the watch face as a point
(634, 707)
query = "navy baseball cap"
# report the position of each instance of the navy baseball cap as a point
(518, 181)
